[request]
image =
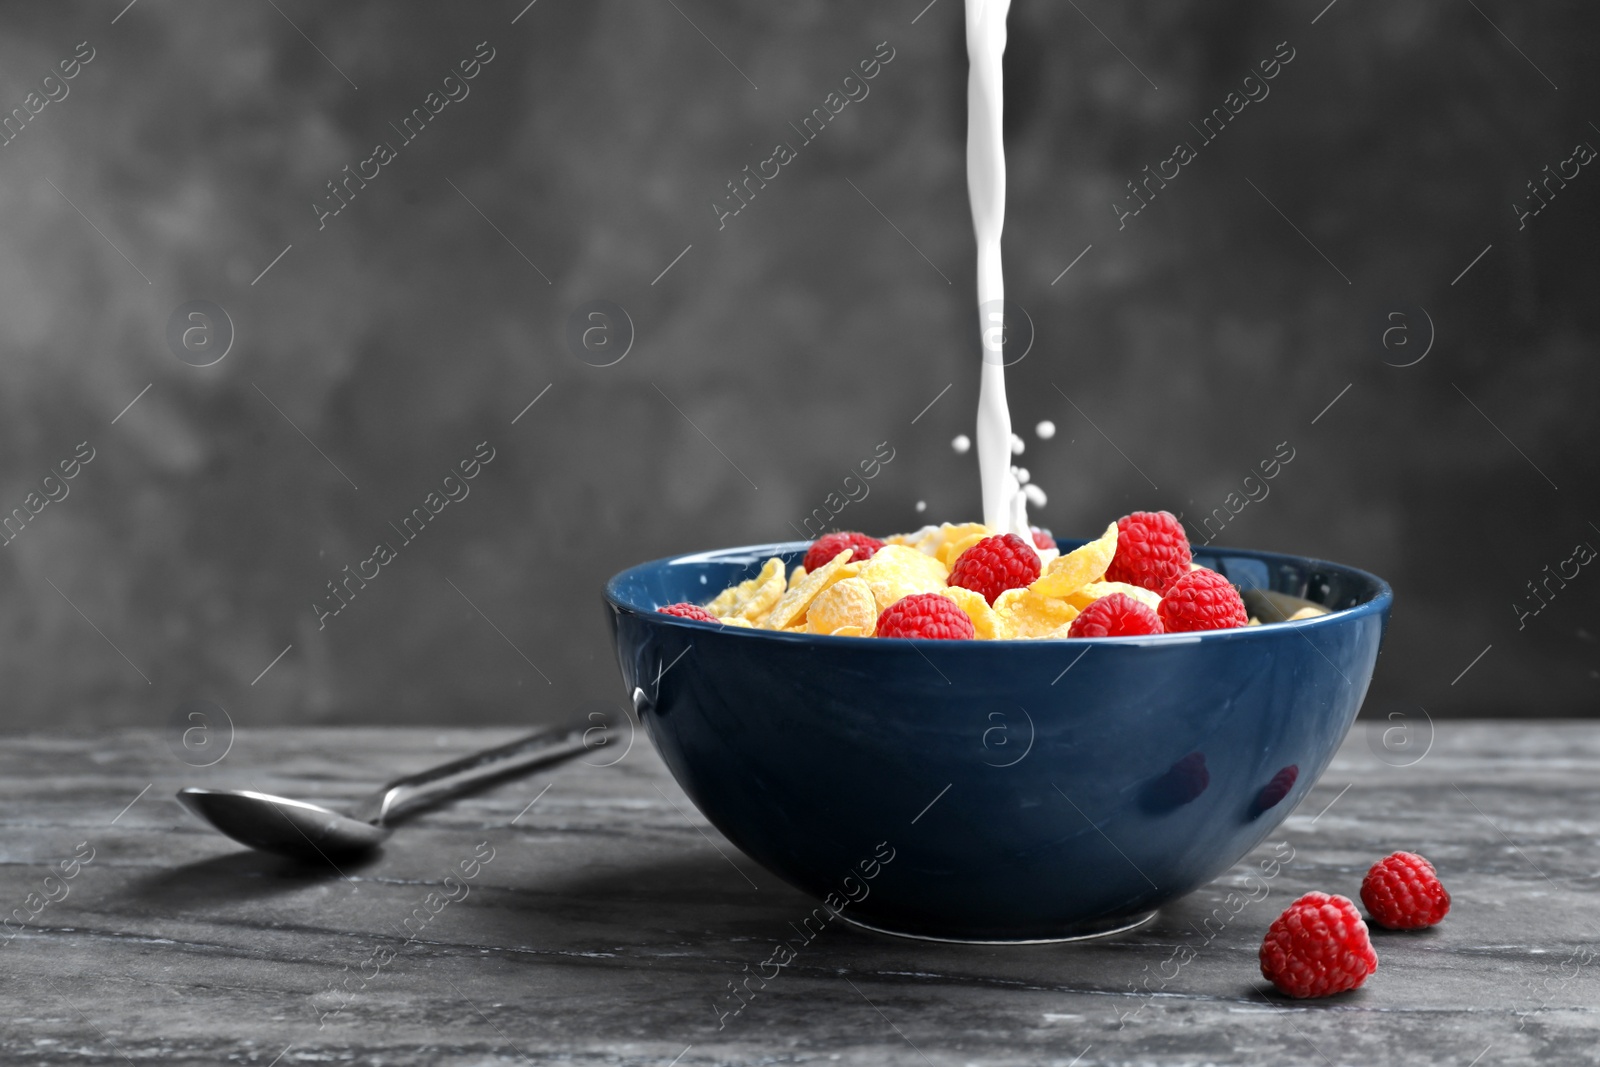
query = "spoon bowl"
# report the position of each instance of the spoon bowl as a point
(279, 825)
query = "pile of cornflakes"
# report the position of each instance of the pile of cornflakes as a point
(844, 597)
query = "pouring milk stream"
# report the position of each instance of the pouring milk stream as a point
(1005, 507)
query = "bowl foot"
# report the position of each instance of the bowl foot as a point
(1083, 932)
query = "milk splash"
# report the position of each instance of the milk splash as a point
(1005, 506)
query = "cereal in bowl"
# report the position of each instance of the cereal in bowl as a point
(1006, 586)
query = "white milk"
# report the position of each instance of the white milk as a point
(1005, 507)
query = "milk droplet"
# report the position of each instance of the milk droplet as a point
(1045, 430)
(1036, 496)
(961, 443)
(1017, 445)
(922, 505)
(1021, 474)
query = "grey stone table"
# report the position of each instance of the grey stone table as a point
(591, 916)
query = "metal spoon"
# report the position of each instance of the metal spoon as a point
(311, 832)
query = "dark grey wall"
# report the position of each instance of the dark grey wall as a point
(778, 351)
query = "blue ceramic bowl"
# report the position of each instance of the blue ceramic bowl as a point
(996, 790)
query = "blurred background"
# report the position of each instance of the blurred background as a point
(1343, 273)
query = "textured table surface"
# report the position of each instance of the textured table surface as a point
(609, 919)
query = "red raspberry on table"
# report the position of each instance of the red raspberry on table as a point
(1117, 615)
(926, 615)
(1317, 947)
(996, 564)
(1152, 551)
(1201, 600)
(829, 545)
(688, 611)
(1042, 539)
(1402, 891)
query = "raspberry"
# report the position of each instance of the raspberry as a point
(688, 611)
(927, 615)
(1152, 551)
(829, 545)
(1042, 539)
(1117, 615)
(1318, 946)
(1402, 892)
(996, 564)
(1201, 600)
(1273, 792)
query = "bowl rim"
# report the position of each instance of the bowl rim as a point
(1379, 602)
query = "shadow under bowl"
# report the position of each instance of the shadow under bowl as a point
(999, 791)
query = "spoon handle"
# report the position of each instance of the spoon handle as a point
(414, 793)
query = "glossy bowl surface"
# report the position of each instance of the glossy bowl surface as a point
(996, 790)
